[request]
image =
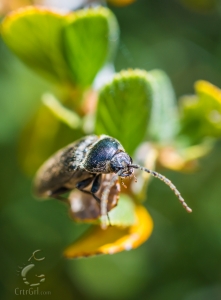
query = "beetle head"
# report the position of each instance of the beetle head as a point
(121, 161)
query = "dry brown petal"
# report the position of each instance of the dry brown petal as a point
(83, 207)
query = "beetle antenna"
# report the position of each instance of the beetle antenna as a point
(104, 199)
(167, 182)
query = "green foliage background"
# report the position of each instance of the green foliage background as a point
(181, 260)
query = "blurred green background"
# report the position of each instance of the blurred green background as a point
(182, 258)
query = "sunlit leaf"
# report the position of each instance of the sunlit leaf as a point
(113, 239)
(34, 35)
(210, 107)
(66, 48)
(207, 91)
(90, 39)
(124, 108)
(123, 213)
(164, 121)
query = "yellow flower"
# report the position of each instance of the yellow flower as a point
(131, 225)
(114, 239)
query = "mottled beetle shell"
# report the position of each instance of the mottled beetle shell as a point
(76, 162)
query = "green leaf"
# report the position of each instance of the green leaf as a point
(210, 107)
(62, 113)
(124, 213)
(65, 48)
(191, 120)
(201, 114)
(124, 108)
(41, 137)
(34, 35)
(164, 122)
(90, 39)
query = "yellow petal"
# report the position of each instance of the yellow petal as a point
(208, 89)
(113, 239)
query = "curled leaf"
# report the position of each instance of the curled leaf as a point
(124, 108)
(68, 48)
(135, 104)
(62, 113)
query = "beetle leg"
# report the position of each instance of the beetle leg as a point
(63, 199)
(59, 191)
(57, 194)
(84, 183)
(81, 185)
(98, 200)
(96, 184)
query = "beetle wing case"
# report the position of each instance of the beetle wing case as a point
(62, 169)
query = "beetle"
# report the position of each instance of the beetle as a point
(82, 163)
